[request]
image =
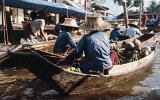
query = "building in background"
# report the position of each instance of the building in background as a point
(101, 9)
(90, 5)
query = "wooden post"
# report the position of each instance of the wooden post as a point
(57, 15)
(5, 32)
(85, 8)
(125, 13)
(85, 4)
(140, 15)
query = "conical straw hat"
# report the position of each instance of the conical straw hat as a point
(134, 23)
(95, 22)
(70, 22)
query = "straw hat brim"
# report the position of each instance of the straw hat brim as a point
(102, 26)
(63, 24)
(117, 27)
(134, 25)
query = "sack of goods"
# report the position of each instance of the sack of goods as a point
(145, 51)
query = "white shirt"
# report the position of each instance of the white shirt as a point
(36, 25)
(25, 41)
(132, 32)
(28, 41)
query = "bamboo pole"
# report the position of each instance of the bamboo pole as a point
(5, 33)
(85, 4)
(125, 14)
(85, 8)
(57, 15)
(3, 23)
(6, 28)
(140, 15)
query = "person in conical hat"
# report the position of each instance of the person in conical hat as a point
(134, 24)
(133, 30)
(115, 32)
(64, 39)
(94, 23)
(95, 46)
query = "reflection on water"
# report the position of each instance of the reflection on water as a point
(151, 81)
(22, 85)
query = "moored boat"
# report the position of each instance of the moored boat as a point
(3, 51)
(49, 46)
(44, 66)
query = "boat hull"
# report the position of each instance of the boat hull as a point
(67, 82)
(75, 83)
(3, 51)
(44, 66)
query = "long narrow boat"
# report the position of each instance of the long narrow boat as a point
(43, 65)
(3, 51)
(48, 47)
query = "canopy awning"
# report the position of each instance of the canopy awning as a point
(51, 7)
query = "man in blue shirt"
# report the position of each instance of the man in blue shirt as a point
(95, 45)
(65, 40)
(115, 33)
(150, 25)
(133, 30)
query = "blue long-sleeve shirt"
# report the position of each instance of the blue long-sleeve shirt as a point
(63, 42)
(114, 34)
(96, 47)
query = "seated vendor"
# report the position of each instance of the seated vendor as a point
(64, 40)
(115, 32)
(132, 31)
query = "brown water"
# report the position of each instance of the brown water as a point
(20, 84)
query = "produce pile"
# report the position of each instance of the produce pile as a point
(129, 52)
(49, 37)
(132, 51)
(73, 69)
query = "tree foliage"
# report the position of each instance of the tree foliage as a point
(137, 2)
(153, 6)
(132, 3)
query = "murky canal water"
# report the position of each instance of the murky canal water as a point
(20, 84)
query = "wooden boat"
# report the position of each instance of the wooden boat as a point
(43, 65)
(3, 51)
(143, 39)
(48, 46)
